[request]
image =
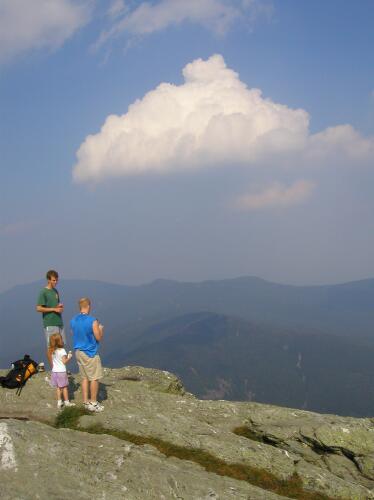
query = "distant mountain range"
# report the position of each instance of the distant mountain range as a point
(242, 338)
(220, 357)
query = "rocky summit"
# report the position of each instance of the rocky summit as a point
(155, 441)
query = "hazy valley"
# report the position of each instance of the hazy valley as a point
(240, 339)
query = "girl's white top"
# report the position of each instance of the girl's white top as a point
(57, 364)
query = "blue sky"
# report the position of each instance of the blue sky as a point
(195, 175)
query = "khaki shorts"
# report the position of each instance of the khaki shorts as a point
(89, 368)
(50, 330)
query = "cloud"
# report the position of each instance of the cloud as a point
(216, 15)
(211, 119)
(35, 24)
(276, 195)
(17, 228)
(342, 141)
(116, 8)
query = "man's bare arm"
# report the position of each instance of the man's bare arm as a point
(98, 330)
(43, 309)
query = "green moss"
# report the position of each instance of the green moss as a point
(290, 488)
(69, 417)
(247, 433)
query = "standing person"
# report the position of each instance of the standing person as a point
(58, 358)
(87, 333)
(50, 306)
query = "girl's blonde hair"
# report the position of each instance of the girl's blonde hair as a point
(55, 342)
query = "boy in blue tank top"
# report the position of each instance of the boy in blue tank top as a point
(87, 334)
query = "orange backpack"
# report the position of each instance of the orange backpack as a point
(21, 371)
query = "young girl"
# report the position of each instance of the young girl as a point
(58, 358)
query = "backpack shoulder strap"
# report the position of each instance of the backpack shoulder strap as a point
(22, 379)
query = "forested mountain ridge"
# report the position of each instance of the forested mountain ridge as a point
(303, 337)
(221, 357)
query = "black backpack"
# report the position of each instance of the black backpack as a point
(21, 371)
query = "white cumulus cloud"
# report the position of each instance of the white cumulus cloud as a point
(276, 195)
(211, 119)
(35, 24)
(216, 15)
(342, 141)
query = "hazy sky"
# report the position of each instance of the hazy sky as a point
(190, 140)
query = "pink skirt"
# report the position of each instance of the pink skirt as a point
(59, 379)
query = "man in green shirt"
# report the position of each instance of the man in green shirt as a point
(50, 306)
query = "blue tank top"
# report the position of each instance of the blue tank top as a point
(83, 335)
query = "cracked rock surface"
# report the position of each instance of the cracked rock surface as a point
(39, 462)
(332, 455)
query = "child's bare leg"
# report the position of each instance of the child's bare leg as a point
(58, 393)
(65, 393)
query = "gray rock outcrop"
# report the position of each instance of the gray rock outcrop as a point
(332, 455)
(40, 462)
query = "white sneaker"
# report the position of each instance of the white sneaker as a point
(69, 403)
(60, 404)
(96, 407)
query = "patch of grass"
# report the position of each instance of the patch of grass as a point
(69, 417)
(291, 488)
(247, 433)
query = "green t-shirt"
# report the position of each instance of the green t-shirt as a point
(49, 297)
